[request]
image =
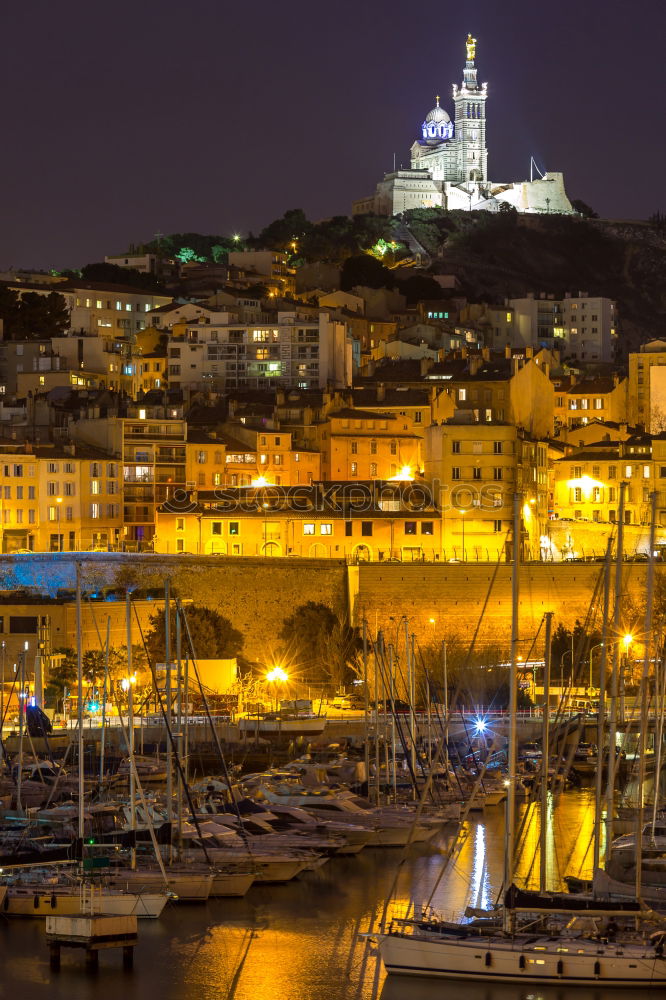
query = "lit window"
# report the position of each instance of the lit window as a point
(308, 529)
(628, 470)
(325, 529)
(462, 395)
(646, 472)
(53, 513)
(354, 468)
(95, 486)
(95, 510)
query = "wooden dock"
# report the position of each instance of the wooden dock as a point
(93, 932)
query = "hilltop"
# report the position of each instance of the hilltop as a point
(508, 255)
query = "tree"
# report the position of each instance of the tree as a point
(321, 644)
(584, 208)
(418, 287)
(62, 676)
(33, 316)
(280, 233)
(114, 274)
(363, 269)
(213, 635)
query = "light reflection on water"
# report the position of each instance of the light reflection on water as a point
(298, 942)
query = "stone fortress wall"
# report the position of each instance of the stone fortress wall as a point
(440, 600)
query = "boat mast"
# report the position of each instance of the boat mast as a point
(510, 834)
(130, 712)
(545, 752)
(642, 735)
(169, 753)
(104, 693)
(601, 721)
(79, 675)
(617, 613)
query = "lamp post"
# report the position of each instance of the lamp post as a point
(2, 687)
(567, 652)
(462, 514)
(626, 643)
(599, 645)
(277, 676)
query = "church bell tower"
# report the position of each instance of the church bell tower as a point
(470, 122)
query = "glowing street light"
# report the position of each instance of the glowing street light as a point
(627, 640)
(277, 674)
(404, 475)
(128, 682)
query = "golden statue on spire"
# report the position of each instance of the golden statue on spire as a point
(471, 48)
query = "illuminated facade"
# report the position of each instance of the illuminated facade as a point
(59, 500)
(647, 387)
(601, 399)
(360, 444)
(291, 350)
(243, 456)
(151, 448)
(362, 521)
(449, 163)
(475, 469)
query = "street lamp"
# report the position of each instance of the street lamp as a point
(2, 688)
(277, 676)
(599, 645)
(565, 653)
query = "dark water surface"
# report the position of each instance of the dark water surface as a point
(298, 941)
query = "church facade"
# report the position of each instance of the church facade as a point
(449, 164)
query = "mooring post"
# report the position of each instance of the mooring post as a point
(54, 957)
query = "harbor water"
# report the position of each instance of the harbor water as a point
(300, 941)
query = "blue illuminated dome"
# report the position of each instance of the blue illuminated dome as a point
(437, 125)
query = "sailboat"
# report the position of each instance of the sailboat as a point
(543, 938)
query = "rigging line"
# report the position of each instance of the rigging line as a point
(180, 610)
(144, 803)
(176, 756)
(471, 647)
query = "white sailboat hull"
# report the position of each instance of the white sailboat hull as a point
(515, 961)
(25, 902)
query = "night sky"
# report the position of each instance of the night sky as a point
(127, 118)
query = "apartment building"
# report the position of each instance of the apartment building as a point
(514, 389)
(647, 387)
(581, 327)
(291, 351)
(57, 499)
(151, 446)
(271, 266)
(110, 310)
(586, 481)
(363, 444)
(475, 470)
(598, 398)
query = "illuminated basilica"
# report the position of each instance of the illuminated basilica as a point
(449, 164)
